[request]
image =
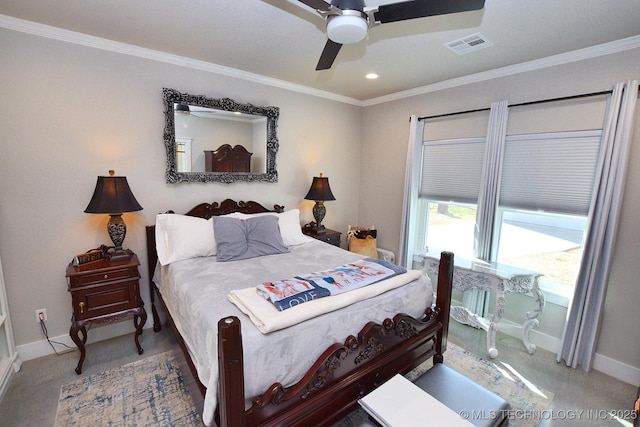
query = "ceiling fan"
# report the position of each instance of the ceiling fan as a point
(349, 20)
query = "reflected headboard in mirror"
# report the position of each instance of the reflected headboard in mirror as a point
(195, 124)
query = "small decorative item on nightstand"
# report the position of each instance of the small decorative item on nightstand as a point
(104, 291)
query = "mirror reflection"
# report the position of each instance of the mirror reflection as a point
(209, 140)
(219, 140)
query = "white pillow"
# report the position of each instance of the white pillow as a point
(180, 237)
(289, 223)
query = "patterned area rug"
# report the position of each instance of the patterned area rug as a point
(148, 392)
(151, 392)
(528, 402)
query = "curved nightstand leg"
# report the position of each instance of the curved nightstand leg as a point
(83, 329)
(73, 333)
(143, 319)
(136, 322)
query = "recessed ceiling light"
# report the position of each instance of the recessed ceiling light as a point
(372, 76)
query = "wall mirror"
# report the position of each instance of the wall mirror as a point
(218, 140)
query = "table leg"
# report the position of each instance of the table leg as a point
(532, 317)
(73, 332)
(495, 321)
(143, 319)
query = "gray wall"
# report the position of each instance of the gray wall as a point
(73, 112)
(386, 133)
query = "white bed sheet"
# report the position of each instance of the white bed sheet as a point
(195, 292)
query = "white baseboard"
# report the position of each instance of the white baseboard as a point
(622, 371)
(42, 348)
(606, 365)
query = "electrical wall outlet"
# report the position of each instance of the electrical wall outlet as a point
(41, 314)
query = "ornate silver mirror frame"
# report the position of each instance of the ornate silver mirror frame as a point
(172, 97)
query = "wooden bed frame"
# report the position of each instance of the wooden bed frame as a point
(340, 376)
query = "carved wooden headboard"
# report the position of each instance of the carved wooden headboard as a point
(206, 211)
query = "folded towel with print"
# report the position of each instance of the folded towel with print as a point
(290, 292)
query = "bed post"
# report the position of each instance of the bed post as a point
(443, 302)
(152, 259)
(231, 371)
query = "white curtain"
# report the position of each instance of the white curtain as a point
(581, 331)
(478, 301)
(490, 182)
(411, 183)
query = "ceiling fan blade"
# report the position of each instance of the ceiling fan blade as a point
(329, 54)
(317, 4)
(420, 8)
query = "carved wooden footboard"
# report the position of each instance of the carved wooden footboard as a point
(343, 374)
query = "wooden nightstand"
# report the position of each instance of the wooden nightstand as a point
(104, 292)
(329, 236)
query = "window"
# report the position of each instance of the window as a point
(183, 154)
(543, 206)
(450, 227)
(542, 242)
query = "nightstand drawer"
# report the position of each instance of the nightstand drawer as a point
(328, 236)
(104, 276)
(332, 239)
(96, 301)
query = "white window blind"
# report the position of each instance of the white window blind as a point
(452, 169)
(552, 172)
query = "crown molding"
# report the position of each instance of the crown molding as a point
(82, 39)
(536, 64)
(68, 36)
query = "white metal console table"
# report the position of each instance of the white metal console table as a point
(499, 279)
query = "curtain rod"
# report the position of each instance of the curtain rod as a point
(564, 98)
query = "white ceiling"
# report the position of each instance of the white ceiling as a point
(283, 39)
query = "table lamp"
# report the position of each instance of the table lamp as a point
(114, 197)
(320, 192)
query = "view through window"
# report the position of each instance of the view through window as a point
(550, 244)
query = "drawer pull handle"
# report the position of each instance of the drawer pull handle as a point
(106, 276)
(81, 307)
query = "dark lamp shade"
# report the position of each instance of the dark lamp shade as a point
(112, 196)
(320, 189)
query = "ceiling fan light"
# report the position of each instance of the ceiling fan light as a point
(345, 29)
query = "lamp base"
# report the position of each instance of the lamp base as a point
(314, 228)
(319, 229)
(319, 212)
(119, 254)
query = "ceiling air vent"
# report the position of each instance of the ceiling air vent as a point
(469, 44)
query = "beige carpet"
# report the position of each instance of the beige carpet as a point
(148, 392)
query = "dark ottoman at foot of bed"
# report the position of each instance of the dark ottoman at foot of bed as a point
(481, 407)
